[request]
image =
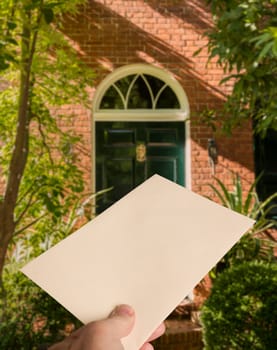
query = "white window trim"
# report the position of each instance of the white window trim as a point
(158, 115)
(140, 114)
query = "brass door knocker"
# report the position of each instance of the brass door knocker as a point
(141, 152)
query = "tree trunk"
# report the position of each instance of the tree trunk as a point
(6, 231)
(21, 146)
(3, 252)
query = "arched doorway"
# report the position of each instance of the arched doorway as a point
(139, 122)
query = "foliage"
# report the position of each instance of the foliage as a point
(42, 186)
(255, 244)
(40, 73)
(241, 311)
(244, 42)
(29, 316)
(51, 178)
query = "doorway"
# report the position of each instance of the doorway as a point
(128, 153)
(140, 114)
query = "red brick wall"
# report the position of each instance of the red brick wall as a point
(180, 335)
(189, 340)
(114, 33)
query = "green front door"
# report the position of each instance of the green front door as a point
(127, 153)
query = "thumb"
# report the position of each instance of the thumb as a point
(106, 334)
(121, 321)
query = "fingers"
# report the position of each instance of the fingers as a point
(107, 333)
(118, 325)
(147, 346)
(157, 333)
(101, 335)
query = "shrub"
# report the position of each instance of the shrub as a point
(30, 317)
(255, 244)
(241, 311)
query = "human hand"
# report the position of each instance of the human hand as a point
(106, 334)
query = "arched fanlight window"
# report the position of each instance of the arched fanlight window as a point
(139, 91)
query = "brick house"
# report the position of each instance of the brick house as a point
(149, 93)
(148, 96)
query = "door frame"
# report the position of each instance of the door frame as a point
(141, 115)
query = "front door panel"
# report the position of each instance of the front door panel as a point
(127, 153)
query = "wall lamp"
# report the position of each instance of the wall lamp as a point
(212, 153)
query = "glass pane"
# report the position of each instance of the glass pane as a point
(139, 96)
(111, 100)
(168, 99)
(124, 83)
(155, 83)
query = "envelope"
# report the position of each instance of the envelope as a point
(148, 250)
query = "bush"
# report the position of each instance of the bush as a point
(241, 311)
(30, 317)
(255, 244)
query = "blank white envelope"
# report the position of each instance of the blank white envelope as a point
(148, 250)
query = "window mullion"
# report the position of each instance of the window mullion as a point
(159, 94)
(130, 89)
(121, 95)
(150, 90)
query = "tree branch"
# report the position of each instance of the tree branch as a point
(24, 194)
(16, 233)
(28, 205)
(21, 148)
(44, 141)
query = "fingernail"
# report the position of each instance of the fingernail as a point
(123, 310)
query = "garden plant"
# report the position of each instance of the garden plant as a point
(241, 312)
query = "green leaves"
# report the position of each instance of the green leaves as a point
(241, 310)
(267, 43)
(51, 198)
(48, 14)
(52, 180)
(254, 245)
(244, 40)
(29, 316)
(7, 52)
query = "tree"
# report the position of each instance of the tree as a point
(244, 41)
(40, 72)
